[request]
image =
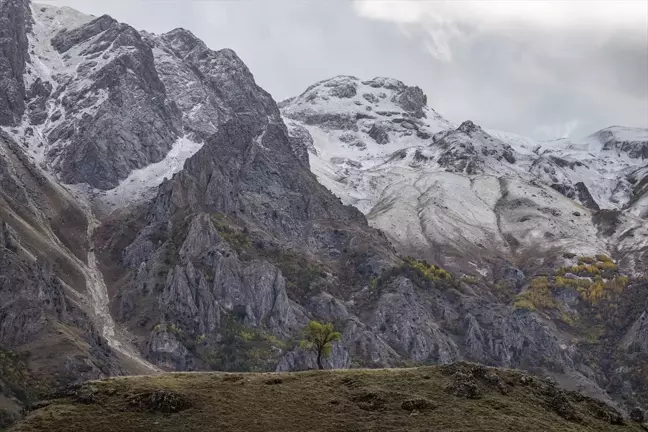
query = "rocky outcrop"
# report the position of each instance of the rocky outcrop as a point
(381, 109)
(585, 197)
(379, 133)
(471, 150)
(613, 139)
(15, 24)
(123, 120)
(413, 100)
(301, 142)
(208, 86)
(637, 337)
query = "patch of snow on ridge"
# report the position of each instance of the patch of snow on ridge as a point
(141, 183)
(46, 62)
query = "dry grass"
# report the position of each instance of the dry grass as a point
(416, 399)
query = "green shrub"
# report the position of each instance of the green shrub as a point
(470, 280)
(428, 271)
(242, 349)
(603, 258)
(299, 272)
(537, 296)
(238, 239)
(586, 260)
(606, 265)
(521, 302)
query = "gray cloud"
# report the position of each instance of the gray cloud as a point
(541, 80)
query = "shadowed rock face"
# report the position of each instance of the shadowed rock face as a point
(636, 149)
(133, 122)
(15, 23)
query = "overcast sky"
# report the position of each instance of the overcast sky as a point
(541, 68)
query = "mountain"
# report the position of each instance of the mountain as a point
(468, 192)
(160, 211)
(507, 212)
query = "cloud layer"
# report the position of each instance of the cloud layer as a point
(545, 69)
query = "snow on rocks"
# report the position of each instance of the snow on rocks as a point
(426, 182)
(142, 183)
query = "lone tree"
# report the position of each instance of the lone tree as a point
(319, 338)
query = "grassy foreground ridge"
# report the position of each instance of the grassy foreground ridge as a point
(459, 397)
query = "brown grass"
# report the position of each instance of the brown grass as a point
(415, 399)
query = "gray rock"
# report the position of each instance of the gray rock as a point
(38, 95)
(167, 351)
(344, 90)
(585, 197)
(637, 415)
(134, 126)
(416, 332)
(413, 100)
(42, 235)
(15, 24)
(379, 132)
(301, 142)
(387, 83)
(370, 98)
(637, 336)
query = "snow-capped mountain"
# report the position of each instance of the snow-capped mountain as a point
(156, 204)
(464, 193)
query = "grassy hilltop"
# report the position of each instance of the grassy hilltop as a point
(460, 397)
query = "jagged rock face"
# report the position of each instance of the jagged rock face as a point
(301, 142)
(257, 180)
(111, 100)
(123, 119)
(29, 294)
(637, 337)
(413, 100)
(15, 23)
(208, 86)
(471, 150)
(638, 204)
(632, 142)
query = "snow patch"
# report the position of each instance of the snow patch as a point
(141, 184)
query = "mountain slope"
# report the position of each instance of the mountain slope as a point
(464, 188)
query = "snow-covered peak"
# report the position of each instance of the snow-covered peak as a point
(53, 19)
(632, 142)
(357, 99)
(365, 121)
(430, 184)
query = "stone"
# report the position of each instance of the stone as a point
(413, 100)
(637, 415)
(379, 133)
(464, 385)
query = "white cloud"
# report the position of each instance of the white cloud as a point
(624, 14)
(559, 130)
